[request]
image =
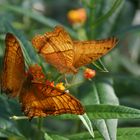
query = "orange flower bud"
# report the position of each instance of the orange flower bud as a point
(89, 73)
(77, 16)
(50, 83)
(60, 86)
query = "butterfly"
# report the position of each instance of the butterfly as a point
(66, 54)
(36, 97)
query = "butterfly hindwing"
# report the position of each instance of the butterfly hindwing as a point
(13, 67)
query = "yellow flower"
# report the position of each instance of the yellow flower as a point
(89, 73)
(60, 86)
(77, 16)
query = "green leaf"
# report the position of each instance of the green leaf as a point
(130, 29)
(36, 16)
(127, 9)
(132, 67)
(127, 87)
(8, 129)
(47, 137)
(57, 137)
(80, 136)
(101, 92)
(128, 133)
(112, 112)
(122, 134)
(86, 121)
(105, 95)
(115, 6)
(28, 51)
(24, 42)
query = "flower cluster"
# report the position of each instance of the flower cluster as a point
(58, 85)
(38, 76)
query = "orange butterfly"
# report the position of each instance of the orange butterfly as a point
(67, 55)
(36, 97)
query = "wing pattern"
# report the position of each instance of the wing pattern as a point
(13, 67)
(42, 100)
(57, 49)
(88, 51)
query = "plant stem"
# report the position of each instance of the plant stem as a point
(39, 126)
(18, 117)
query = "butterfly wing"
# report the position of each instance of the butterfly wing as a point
(88, 51)
(57, 49)
(42, 100)
(13, 67)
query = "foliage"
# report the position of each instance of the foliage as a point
(107, 97)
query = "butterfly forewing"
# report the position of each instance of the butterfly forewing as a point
(13, 67)
(43, 100)
(87, 51)
(57, 48)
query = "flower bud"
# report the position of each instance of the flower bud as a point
(89, 73)
(60, 86)
(50, 83)
(77, 16)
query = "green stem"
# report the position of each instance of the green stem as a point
(39, 126)
(18, 117)
(75, 84)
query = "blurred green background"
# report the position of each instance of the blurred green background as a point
(105, 18)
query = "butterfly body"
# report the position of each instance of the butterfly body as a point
(67, 55)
